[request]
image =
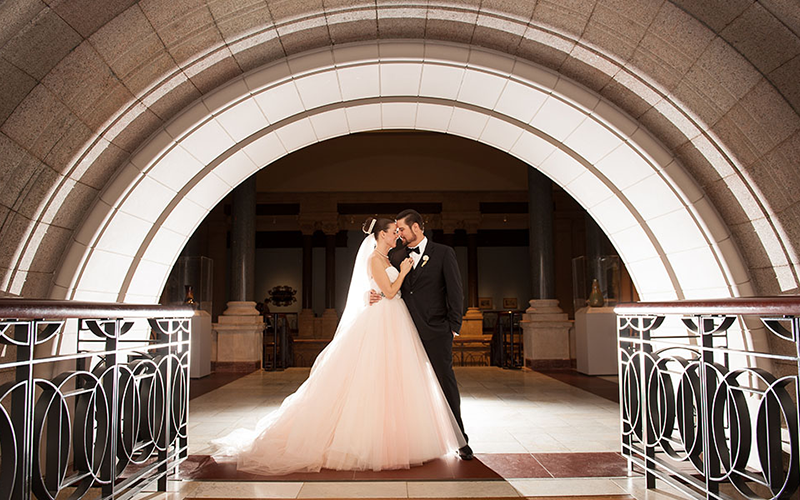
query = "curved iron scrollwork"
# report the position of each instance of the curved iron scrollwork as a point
(116, 422)
(703, 416)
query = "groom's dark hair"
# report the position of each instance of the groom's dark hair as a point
(411, 216)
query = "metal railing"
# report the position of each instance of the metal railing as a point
(110, 414)
(705, 406)
(277, 353)
(509, 332)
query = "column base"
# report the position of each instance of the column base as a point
(240, 308)
(546, 336)
(240, 338)
(472, 322)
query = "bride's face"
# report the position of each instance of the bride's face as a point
(390, 235)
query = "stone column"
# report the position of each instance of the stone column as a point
(305, 321)
(329, 317)
(240, 328)
(472, 323)
(540, 234)
(546, 328)
(243, 241)
(217, 236)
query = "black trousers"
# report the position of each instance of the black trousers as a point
(440, 353)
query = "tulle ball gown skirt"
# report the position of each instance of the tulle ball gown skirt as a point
(371, 402)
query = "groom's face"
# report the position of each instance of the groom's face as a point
(405, 232)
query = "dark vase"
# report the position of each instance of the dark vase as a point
(596, 296)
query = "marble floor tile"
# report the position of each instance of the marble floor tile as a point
(176, 490)
(496, 447)
(461, 489)
(362, 489)
(231, 489)
(636, 488)
(566, 487)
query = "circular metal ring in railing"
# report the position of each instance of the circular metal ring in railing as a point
(776, 404)
(731, 431)
(50, 409)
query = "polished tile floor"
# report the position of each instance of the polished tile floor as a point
(534, 435)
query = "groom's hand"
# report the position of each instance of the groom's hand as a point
(374, 297)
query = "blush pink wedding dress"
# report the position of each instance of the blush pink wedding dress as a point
(371, 402)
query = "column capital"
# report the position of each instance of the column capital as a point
(468, 221)
(330, 228)
(471, 225)
(327, 222)
(307, 227)
(449, 226)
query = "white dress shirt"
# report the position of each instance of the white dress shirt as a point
(417, 256)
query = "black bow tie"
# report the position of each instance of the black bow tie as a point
(415, 249)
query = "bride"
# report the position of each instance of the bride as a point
(372, 400)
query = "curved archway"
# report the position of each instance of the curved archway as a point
(708, 93)
(668, 234)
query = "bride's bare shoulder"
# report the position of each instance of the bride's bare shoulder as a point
(373, 262)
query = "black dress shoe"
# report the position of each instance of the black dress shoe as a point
(465, 452)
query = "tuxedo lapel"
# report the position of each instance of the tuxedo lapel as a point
(430, 250)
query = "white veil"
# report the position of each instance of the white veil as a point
(358, 294)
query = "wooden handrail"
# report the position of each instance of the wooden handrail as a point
(754, 306)
(63, 309)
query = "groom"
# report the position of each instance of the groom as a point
(433, 294)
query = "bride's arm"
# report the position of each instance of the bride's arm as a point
(388, 288)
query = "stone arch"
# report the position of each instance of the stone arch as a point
(669, 235)
(706, 82)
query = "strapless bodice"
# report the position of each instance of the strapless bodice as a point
(393, 274)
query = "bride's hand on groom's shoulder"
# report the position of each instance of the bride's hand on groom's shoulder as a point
(374, 297)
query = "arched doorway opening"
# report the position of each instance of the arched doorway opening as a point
(666, 231)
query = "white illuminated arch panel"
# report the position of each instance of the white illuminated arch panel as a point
(657, 218)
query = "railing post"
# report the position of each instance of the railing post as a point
(708, 383)
(644, 405)
(183, 440)
(22, 409)
(110, 386)
(166, 438)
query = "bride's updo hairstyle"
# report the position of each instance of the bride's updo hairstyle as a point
(374, 225)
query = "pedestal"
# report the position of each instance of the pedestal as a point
(200, 365)
(596, 340)
(545, 330)
(305, 324)
(472, 322)
(307, 350)
(330, 320)
(240, 337)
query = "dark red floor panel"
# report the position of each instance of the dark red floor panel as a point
(486, 467)
(563, 465)
(514, 465)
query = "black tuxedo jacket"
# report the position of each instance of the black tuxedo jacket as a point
(432, 291)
